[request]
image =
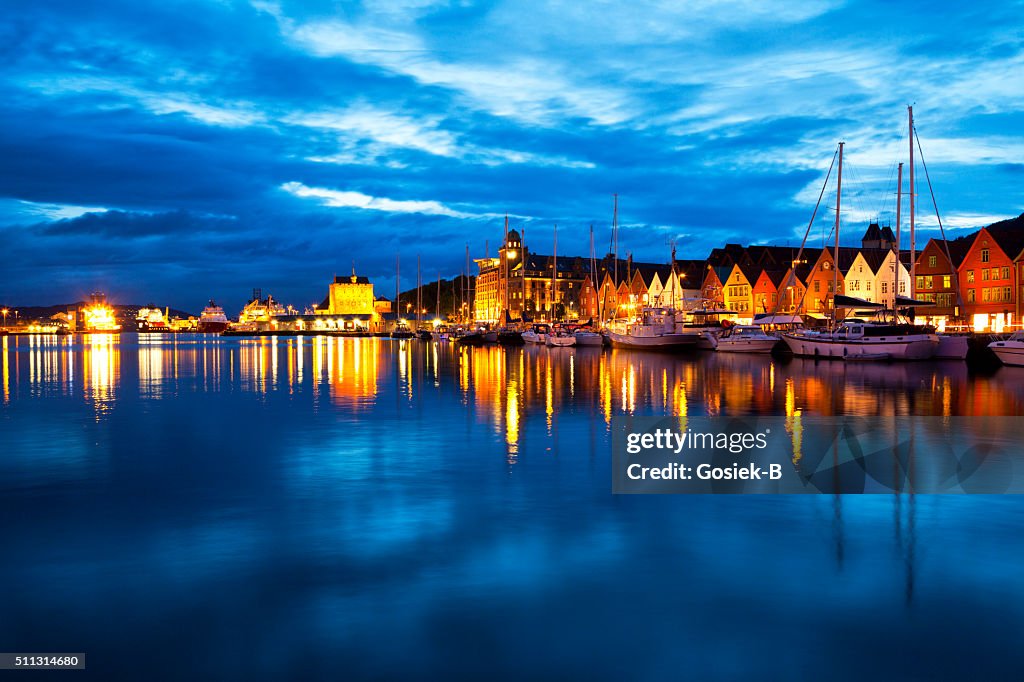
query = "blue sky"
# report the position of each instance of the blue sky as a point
(169, 152)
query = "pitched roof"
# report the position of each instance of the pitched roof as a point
(1009, 235)
(875, 258)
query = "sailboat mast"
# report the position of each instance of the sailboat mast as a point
(437, 307)
(504, 264)
(554, 274)
(469, 290)
(398, 279)
(899, 208)
(913, 265)
(615, 247)
(593, 267)
(835, 254)
(419, 293)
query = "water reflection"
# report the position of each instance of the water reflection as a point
(354, 492)
(503, 385)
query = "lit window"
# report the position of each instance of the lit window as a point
(970, 275)
(984, 255)
(945, 281)
(932, 261)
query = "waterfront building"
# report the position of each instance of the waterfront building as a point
(739, 290)
(766, 290)
(350, 305)
(990, 276)
(938, 280)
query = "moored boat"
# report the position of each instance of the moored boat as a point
(1011, 351)
(655, 330)
(212, 320)
(560, 338)
(859, 340)
(588, 338)
(745, 339)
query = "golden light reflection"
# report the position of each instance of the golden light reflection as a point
(794, 423)
(100, 370)
(6, 372)
(512, 420)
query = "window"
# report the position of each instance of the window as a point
(984, 255)
(986, 295)
(826, 265)
(885, 287)
(995, 273)
(903, 287)
(920, 282)
(817, 286)
(984, 275)
(869, 285)
(1006, 294)
(932, 261)
(970, 295)
(970, 275)
(945, 281)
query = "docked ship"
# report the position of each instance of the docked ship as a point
(212, 320)
(1011, 351)
(745, 339)
(655, 330)
(151, 320)
(257, 314)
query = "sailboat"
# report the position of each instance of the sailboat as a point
(855, 338)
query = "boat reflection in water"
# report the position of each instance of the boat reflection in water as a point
(345, 489)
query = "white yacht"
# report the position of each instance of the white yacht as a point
(655, 330)
(707, 323)
(1011, 351)
(745, 339)
(561, 338)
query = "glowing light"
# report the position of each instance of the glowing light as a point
(100, 318)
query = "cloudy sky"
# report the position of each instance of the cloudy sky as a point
(172, 151)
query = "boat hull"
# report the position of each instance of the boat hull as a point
(1010, 353)
(212, 327)
(746, 345)
(510, 339)
(919, 347)
(561, 341)
(951, 348)
(589, 339)
(663, 342)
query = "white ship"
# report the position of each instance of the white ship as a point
(1011, 351)
(212, 320)
(655, 330)
(745, 339)
(859, 340)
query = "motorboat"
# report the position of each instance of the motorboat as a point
(745, 339)
(1011, 351)
(655, 329)
(561, 338)
(536, 334)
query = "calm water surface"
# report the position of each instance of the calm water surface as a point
(206, 508)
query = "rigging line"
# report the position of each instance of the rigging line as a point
(807, 232)
(942, 230)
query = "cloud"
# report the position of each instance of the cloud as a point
(348, 199)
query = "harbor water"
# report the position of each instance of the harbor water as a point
(196, 507)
